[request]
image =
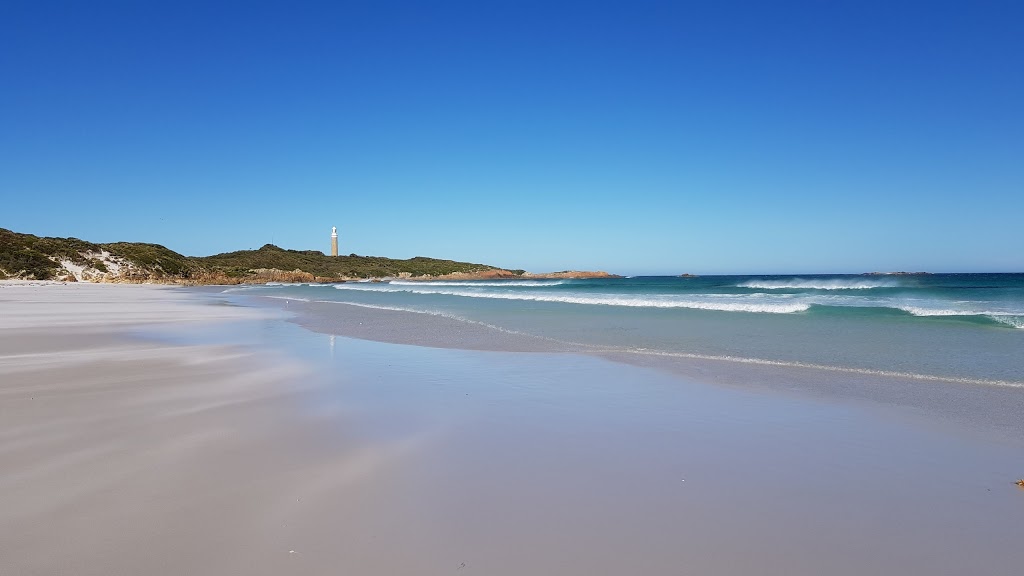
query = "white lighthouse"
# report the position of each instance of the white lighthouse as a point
(334, 240)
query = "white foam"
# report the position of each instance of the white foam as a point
(1009, 320)
(801, 284)
(726, 303)
(922, 311)
(758, 302)
(1013, 319)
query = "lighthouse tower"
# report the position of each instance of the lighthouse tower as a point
(334, 240)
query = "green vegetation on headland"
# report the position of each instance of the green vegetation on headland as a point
(31, 257)
(243, 262)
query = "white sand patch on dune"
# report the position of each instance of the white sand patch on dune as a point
(75, 269)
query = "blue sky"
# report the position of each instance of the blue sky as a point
(635, 137)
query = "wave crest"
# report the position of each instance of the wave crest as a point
(1012, 320)
(1009, 320)
(801, 284)
(727, 304)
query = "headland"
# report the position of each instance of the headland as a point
(29, 257)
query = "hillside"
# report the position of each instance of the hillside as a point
(39, 258)
(243, 262)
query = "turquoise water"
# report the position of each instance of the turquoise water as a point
(966, 327)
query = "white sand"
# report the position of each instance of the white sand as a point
(129, 456)
(120, 456)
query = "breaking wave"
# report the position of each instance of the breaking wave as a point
(1008, 319)
(762, 303)
(731, 303)
(824, 297)
(800, 284)
(1016, 321)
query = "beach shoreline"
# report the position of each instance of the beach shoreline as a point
(993, 408)
(164, 430)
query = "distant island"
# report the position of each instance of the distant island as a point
(29, 257)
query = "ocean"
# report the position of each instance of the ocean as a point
(966, 328)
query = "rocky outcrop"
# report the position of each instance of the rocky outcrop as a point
(570, 274)
(494, 274)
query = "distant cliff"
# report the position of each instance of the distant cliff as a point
(24, 256)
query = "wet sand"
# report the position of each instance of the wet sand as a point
(993, 411)
(146, 430)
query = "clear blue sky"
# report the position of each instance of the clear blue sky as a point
(635, 137)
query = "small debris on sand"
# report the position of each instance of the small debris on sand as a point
(1020, 482)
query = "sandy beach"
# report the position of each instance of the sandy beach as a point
(155, 430)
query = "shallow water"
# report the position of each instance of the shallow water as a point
(571, 464)
(955, 327)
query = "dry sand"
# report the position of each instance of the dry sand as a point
(148, 430)
(123, 456)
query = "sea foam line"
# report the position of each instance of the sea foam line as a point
(449, 316)
(829, 368)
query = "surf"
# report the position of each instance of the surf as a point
(818, 284)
